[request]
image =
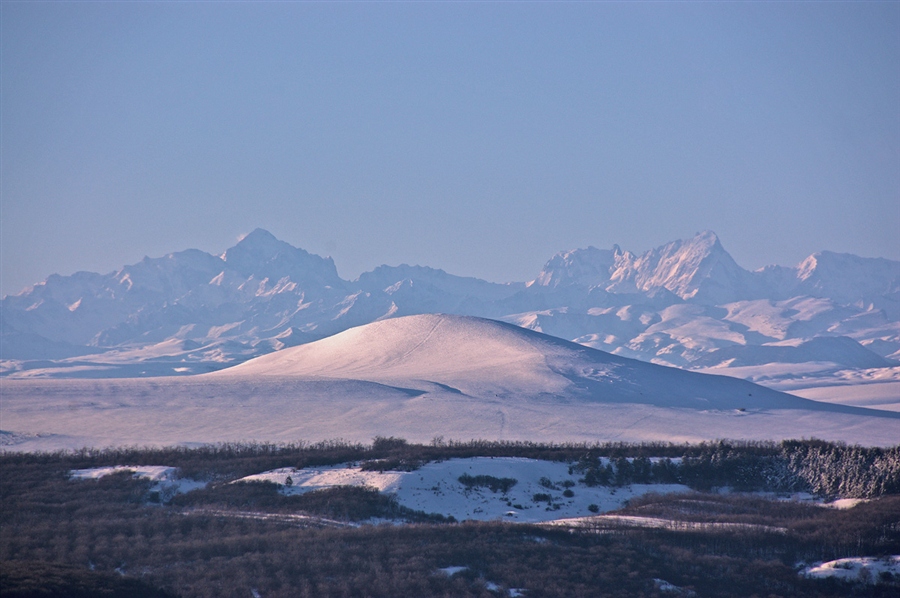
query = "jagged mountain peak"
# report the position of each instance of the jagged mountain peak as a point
(262, 255)
(808, 266)
(702, 246)
(680, 266)
(698, 269)
(588, 267)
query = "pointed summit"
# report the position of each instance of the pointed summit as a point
(261, 255)
(260, 243)
(700, 269)
(697, 269)
(258, 236)
(706, 238)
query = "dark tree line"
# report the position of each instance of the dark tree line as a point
(826, 468)
(822, 468)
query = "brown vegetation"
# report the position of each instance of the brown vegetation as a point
(200, 544)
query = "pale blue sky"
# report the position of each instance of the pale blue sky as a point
(476, 137)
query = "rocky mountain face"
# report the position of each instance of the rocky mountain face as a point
(686, 303)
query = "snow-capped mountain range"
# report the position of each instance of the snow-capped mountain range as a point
(686, 303)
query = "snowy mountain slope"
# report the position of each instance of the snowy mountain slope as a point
(420, 377)
(190, 312)
(486, 358)
(846, 278)
(697, 269)
(589, 267)
(253, 288)
(32, 346)
(262, 256)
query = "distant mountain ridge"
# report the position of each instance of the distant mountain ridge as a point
(677, 304)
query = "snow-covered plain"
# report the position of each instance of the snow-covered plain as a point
(882, 395)
(419, 377)
(874, 388)
(435, 488)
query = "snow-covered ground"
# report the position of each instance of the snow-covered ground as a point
(876, 395)
(418, 377)
(435, 488)
(873, 388)
(867, 570)
(50, 415)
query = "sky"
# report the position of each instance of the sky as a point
(476, 137)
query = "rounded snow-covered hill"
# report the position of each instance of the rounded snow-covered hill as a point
(421, 377)
(492, 360)
(428, 347)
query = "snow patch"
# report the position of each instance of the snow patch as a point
(451, 571)
(166, 480)
(436, 488)
(670, 588)
(319, 478)
(153, 473)
(865, 570)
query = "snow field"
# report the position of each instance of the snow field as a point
(435, 488)
(873, 395)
